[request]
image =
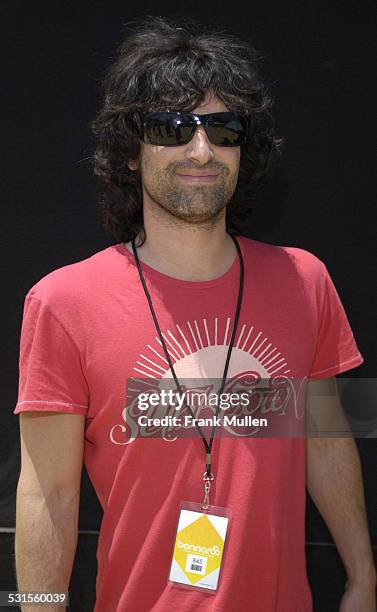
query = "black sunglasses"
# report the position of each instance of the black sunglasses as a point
(174, 128)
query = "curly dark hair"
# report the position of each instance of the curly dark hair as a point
(169, 63)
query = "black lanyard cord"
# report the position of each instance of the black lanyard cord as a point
(207, 445)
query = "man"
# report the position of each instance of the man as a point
(162, 302)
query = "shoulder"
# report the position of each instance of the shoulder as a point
(67, 286)
(284, 259)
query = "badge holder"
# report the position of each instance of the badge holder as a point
(199, 545)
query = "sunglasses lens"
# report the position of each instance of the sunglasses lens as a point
(227, 129)
(167, 129)
(175, 128)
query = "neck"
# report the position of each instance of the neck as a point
(186, 251)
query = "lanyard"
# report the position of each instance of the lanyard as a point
(208, 475)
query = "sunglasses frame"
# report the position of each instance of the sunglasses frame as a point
(196, 120)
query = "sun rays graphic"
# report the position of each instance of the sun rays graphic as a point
(198, 349)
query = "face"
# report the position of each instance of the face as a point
(192, 200)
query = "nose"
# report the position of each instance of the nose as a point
(199, 148)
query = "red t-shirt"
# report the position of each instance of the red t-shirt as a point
(88, 332)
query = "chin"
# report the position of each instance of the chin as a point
(198, 218)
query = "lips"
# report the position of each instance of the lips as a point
(198, 178)
(197, 175)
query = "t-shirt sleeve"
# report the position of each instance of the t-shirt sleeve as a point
(336, 348)
(51, 376)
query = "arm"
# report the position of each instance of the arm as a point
(47, 503)
(334, 482)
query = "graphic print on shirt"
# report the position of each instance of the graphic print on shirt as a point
(198, 351)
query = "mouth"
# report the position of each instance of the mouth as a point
(197, 178)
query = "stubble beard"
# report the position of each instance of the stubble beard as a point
(192, 204)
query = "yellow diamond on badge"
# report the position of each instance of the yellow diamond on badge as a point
(198, 549)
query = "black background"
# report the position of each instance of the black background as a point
(319, 64)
